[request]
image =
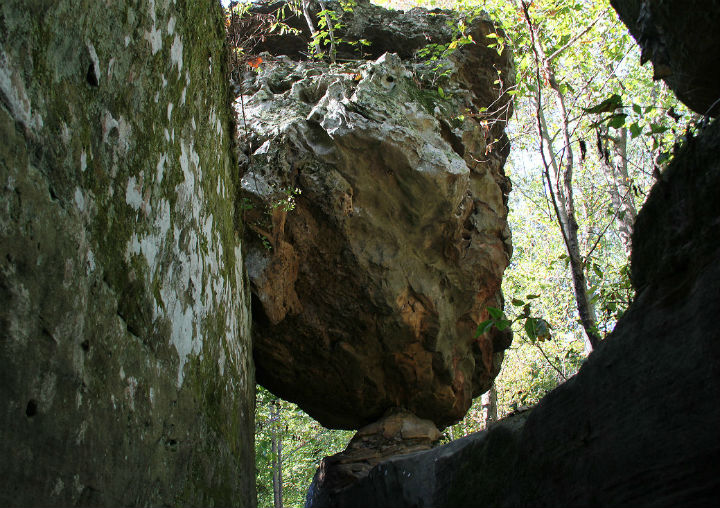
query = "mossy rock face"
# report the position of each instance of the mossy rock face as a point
(127, 375)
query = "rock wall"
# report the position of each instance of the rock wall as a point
(124, 323)
(375, 200)
(681, 41)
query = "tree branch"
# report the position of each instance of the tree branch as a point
(574, 39)
(564, 206)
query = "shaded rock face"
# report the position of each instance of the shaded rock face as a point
(638, 425)
(471, 471)
(124, 320)
(680, 38)
(397, 433)
(376, 229)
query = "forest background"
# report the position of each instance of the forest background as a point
(590, 133)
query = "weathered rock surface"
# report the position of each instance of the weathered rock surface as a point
(680, 37)
(124, 324)
(370, 280)
(466, 472)
(638, 425)
(397, 433)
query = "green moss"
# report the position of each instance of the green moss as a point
(50, 51)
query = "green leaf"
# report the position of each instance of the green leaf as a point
(663, 157)
(530, 328)
(617, 121)
(657, 128)
(517, 302)
(495, 313)
(532, 297)
(635, 130)
(502, 324)
(637, 109)
(542, 330)
(483, 328)
(597, 270)
(441, 92)
(607, 106)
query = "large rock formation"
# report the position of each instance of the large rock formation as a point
(638, 425)
(681, 40)
(375, 204)
(124, 324)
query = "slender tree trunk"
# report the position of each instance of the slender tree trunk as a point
(328, 22)
(613, 157)
(276, 448)
(308, 17)
(330, 29)
(278, 501)
(559, 183)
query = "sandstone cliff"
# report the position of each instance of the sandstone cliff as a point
(638, 425)
(124, 323)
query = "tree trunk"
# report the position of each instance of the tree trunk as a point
(330, 30)
(613, 157)
(559, 183)
(276, 448)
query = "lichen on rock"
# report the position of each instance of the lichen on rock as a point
(124, 319)
(375, 204)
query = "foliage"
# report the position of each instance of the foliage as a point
(246, 30)
(287, 202)
(536, 328)
(607, 91)
(304, 444)
(329, 22)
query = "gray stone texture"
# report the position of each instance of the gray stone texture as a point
(369, 290)
(124, 323)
